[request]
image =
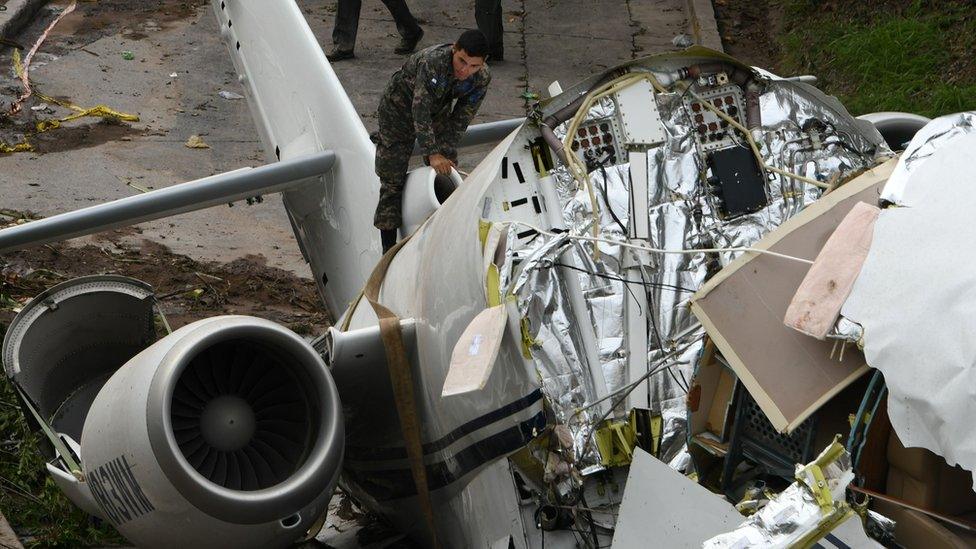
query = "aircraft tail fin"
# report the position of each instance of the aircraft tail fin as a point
(300, 107)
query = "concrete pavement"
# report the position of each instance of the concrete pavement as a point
(545, 40)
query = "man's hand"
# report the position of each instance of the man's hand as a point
(440, 163)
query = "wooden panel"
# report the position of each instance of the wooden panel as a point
(789, 374)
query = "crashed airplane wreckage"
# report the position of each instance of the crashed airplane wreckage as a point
(584, 344)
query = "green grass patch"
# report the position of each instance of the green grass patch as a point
(29, 499)
(888, 56)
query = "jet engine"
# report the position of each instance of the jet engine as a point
(225, 433)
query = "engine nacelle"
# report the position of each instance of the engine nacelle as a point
(424, 191)
(228, 432)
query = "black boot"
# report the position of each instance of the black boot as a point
(407, 45)
(338, 54)
(389, 239)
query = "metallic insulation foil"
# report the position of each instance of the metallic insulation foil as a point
(803, 132)
(931, 137)
(795, 513)
(848, 330)
(556, 349)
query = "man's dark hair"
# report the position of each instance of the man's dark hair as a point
(473, 42)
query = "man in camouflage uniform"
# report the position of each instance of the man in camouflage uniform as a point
(430, 100)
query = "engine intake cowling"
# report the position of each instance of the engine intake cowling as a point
(227, 432)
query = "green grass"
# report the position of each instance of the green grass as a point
(29, 498)
(881, 56)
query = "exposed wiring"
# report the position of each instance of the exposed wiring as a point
(657, 333)
(660, 285)
(626, 389)
(606, 200)
(576, 167)
(660, 250)
(752, 142)
(627, 287)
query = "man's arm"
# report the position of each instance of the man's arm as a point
(423, 109)
(464, 111)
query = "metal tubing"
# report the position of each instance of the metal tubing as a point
(185, 197)
(483, 134)
(489, 132)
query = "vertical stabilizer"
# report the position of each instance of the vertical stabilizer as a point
(299, 107)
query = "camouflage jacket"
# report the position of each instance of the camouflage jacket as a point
(422, 92)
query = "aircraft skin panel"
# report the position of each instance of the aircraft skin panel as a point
(299, 107)
(484, 509)
(479, 429)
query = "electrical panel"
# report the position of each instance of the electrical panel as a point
(737, 181)
(597, 142)
(711, 131)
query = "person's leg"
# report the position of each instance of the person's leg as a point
(406, 25)
(488, 15)
(346, 25)
(392, 160)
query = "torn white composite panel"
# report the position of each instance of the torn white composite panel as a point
(916, 294)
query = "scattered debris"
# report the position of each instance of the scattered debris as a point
(803, 513)
(683, 41)
(230, 95)
(196, 142)
(23, 72)
(137, 187)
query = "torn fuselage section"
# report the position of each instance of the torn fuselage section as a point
(692, 153)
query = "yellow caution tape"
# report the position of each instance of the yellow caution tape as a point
(484, 226)
(98, 111)
(527, 340)
(493, 285)
(23, 146)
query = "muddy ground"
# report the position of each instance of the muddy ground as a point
(748, 29)
(188, 290)
(91, 21)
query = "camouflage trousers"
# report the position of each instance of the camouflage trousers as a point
(394, 146)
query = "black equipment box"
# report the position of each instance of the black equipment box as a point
(737, 181)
